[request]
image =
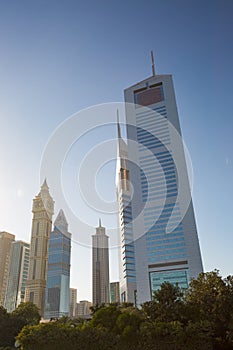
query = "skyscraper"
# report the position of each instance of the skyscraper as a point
(18, 274)
(58, 276)
(43, 206)
(127, 271)
(100, 267)
(73, 302)
(159, 239)
(5, 247)
(114, 292)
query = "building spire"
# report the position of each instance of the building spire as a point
(118, 125)
(61, 223)
(45, 185)
(100, 222)
(153, 63)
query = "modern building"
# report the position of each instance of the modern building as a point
(58, 275)
(160, 215)
(43, 207)
(100, 267)
(127, 269)
(18, 274)
(83, 309)
(114, 292)
(73, 302)
(5, 247)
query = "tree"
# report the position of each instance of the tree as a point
(28, 312)
(167, 304)
(212, 296)
(106, 318)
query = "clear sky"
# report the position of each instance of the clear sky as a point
(58, 57)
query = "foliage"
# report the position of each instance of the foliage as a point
(212, 296)
(11, 324)
(199, 318)
(167, 304)
(29, 312)
(55, 336)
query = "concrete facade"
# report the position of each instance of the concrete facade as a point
(5, 248)
(43, 209)
(100, 267)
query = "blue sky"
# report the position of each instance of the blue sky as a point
(58, 57)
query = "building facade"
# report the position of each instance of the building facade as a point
(58, 275)
(43, 208)
(160, 214)
(5, 247)
(73, 302)
(114, 292)
(127, 269)
(100, 267)
(18, 274)
(83, 309)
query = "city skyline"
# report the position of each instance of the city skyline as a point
(60, 58)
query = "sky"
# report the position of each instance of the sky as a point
(60, 57)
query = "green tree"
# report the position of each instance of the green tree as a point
(55, 336)
(28, 312)
(106, 318)
(167, 304)
(212, 296)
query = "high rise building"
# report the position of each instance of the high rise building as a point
(5, 247)
(83, 309)
(18, 274)
(158, 233)
(43, 206)
(73, 302)
(114, 292)
(58, 276)
(100, 267)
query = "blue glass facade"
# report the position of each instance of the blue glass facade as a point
(58, 276)
(165, 244)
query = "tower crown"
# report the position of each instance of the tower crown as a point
(61, 223)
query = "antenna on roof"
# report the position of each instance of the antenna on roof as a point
(153, 63)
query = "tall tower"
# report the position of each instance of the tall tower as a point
(5, 247)
(73, 301)
(18, 274)
(43, 207)
(165, 244)
(100, 267)
(127, 271)
(58, 276)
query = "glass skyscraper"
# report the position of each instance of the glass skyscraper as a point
(18, 274)
(158, 233)
(58, 275)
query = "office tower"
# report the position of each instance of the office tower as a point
(127, 270)
(73, 302)
(43, 206)
(100, 267)
(160, 214)
(18, 274)
(5, 247)
(58, 275)
(83, 309)
(114, 292)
